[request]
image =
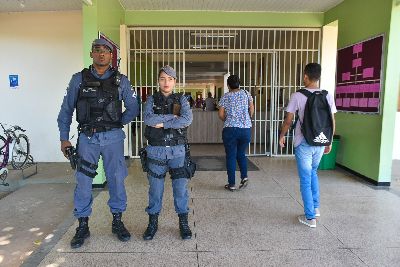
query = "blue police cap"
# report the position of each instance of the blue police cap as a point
(169, 71)
(103, 42)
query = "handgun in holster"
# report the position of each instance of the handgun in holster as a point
(143, 159)
(72, 156)
(189, 163)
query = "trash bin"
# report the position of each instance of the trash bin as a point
(99, 181)
(328, 161)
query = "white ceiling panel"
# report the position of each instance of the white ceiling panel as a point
(232, 5)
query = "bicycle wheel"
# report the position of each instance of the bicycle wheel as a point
(20, 152)
(3, 149)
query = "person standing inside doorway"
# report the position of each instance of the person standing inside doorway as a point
(97, 94)
(308, 153)
(236, 109)
(209, 103)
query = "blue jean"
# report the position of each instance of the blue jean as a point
(307, 159)
(236, 140)
(156, 189)
(115, 170)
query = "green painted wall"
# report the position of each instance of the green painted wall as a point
(392, 84)
(105, 16)
(361, 148)
(219, 18)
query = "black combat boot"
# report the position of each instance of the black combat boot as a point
(82, 232)
(152, 227)
(119, 229)
(184, 226)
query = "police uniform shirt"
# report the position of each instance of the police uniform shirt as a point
(169, 121)
(68, 106)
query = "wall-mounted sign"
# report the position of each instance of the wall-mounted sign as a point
(14, 81)
(116, 55)
(358, 80)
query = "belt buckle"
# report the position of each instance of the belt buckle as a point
(165, 142)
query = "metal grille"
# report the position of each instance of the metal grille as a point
(145, 67)
(269, 62)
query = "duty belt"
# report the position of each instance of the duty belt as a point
(89, 130)
(169, 142)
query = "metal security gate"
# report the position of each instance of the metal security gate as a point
(145, 67)
(257, 74)
(269, 61)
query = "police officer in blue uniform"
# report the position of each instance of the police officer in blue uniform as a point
(167, 115)
(97, 94)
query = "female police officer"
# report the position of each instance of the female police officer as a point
(97, 94)
(167, 115)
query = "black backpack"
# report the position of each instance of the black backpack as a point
(317, 125)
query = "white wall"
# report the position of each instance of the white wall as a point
(44, 49)
(328, 56)
(396, 141)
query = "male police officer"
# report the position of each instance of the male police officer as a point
(167, 115)
(97, 94)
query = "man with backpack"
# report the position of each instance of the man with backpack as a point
(314, 109)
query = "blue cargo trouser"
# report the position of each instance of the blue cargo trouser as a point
(179, 185)
(115, 170)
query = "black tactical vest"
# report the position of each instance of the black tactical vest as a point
(161, 136)
(98, 105)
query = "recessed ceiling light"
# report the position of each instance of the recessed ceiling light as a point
(214, 34)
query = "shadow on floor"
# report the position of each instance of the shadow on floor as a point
(217, 163)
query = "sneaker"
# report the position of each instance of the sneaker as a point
(230, 187)
(244, 183)
(317, 212)
(310, 223)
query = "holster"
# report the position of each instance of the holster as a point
(189, 167)
(72, 156)
(143, 159)
(77, 163)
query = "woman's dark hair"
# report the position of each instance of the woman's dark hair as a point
(313, 71)
(233, 81)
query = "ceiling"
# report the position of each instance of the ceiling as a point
(199, 5)
(233, 5)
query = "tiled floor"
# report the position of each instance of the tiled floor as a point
(257, 226)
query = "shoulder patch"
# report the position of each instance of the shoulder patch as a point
(133, 92)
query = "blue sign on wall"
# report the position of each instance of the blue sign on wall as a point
(14, 82)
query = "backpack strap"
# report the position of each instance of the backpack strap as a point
(305, 92)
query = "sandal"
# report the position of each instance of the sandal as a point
(244, 183)
(230, 187)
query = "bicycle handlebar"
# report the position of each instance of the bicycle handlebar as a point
(17, 128)
(12, 129)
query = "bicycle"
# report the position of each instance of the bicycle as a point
(18, 144)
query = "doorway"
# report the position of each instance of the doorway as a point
(269, 62)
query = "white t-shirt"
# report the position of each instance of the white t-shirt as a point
(298, 102)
